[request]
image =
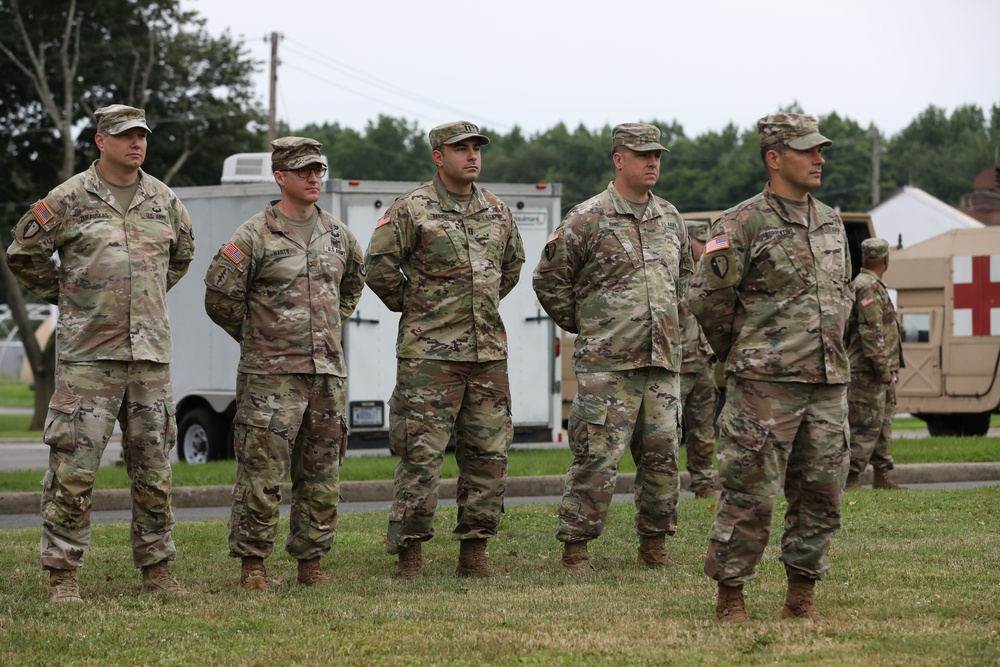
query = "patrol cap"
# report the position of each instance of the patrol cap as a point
(296, 152)
(637, 136)
(698, 229)
(117, 118)
(452, 133)
(874, 249)
(795, 130)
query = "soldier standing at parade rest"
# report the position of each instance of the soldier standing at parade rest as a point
(698, 391)
(123, 240)
(773, 294)
(613, 273)
(875, 351)
(282, 287)
(443, 256)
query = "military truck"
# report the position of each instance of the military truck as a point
(206, 358)
(948, 298)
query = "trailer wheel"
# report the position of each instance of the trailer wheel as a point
(200, 436)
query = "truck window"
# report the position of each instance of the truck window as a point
(918, 327)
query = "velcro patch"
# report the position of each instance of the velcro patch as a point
(867, 301)
(43, 214)
(384, 220)
(718, 243)
(554, 235)
(234, 253)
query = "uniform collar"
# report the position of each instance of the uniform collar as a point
(622, 206)
(476, 204)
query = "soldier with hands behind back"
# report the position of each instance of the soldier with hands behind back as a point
(282, 287)
(123, 239)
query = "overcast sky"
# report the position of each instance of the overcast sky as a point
(534, 63)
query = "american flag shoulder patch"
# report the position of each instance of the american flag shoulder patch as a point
(720, 242)
(867, 301)
(43, 214)
(234, 253)
(554, 235)
(384, 220)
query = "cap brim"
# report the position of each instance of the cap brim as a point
(128, 125)
(298, 163)
(651, 146)
(808, 141)
(462, 137)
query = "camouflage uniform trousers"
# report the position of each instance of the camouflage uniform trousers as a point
(637, 409)
(871, 406)
(698, 398)
(770, 430)
(89, 396)
(287, 423)
(431, 399)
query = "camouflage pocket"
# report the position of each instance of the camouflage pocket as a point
(251, 436)
(170, 424)
(863, 414)
(61, 422)
(397, 432)
(586, 425)
(742, 429)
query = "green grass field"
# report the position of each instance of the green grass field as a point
(914, 582)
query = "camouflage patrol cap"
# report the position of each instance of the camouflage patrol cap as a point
(296, 152)
(795, 130)
(874, 249)
(117, 118)
(452, 133)
(637, 136)
(698, 229)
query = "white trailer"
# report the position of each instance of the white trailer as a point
(206, 358)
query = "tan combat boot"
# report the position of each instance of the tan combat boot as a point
(311, 573)
(253, 576)
(705, 492)
(853, 481)
(576, 558)
(63, 586)
(730, 606)
(473, 560)
(156, 578)
(652, 554)
(882, 480)
(411, 562)
(799, 599)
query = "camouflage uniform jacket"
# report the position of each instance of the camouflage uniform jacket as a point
(697, 353)
(616, 281)
(873, 341)
(774, 296)
(445, 266)
(114, 272)
(283, 301)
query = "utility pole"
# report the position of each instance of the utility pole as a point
(272, 124)
(876, 164)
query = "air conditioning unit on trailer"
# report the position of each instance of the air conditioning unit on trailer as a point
(251, 168)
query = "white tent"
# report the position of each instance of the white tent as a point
(917, 216)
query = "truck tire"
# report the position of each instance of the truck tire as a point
(976, 424)
(200, 436)
(962, 424)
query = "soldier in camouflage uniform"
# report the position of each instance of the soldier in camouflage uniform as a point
(282, 287)
(123, 240)
(698, 391)
(773, 294)
(875, 351)
(613, 273)
(443, 256)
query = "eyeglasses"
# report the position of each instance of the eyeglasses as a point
(304, 172)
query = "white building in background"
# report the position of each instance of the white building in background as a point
(911, 215)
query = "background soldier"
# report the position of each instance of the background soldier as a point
(443, 256)
(123, 240)
(773, 295)
(698, 392)
(282, 287)
(614, 272)
(875, 352)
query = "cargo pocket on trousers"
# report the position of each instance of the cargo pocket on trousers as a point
(169, 424)
(745, 431)
(251, 433)
(61, 422)
(588, 417)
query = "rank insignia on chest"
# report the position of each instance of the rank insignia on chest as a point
(867, 301)
(233, 253)
(718, 243)
(43, 214)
